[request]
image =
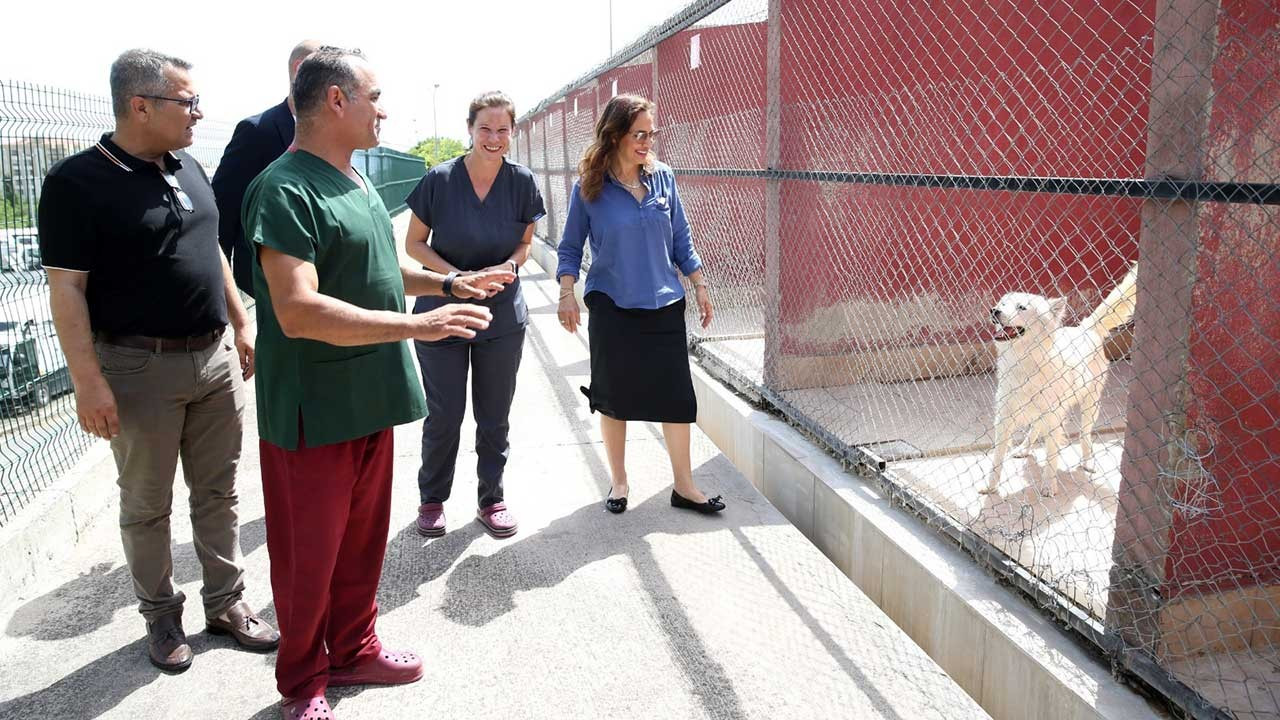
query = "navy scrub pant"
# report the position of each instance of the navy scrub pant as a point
(493, 363)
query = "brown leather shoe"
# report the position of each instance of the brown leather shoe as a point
(167, 646)
(243, 624)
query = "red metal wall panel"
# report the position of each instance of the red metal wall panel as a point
(1228, 533)
(713, 116)
(900, 95)
(634, 79)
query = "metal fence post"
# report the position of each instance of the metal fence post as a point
(568, 167)
(1185, 45)
(773, 200)
(546, 174)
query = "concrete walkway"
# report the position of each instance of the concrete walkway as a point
(656, 613)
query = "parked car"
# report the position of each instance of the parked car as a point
(33, 370)
(19, 249)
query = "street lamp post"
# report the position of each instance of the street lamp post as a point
(435, 129)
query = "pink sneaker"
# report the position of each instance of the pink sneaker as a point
(497, 520)
(385, 668)
(312, 708)
(431, 520)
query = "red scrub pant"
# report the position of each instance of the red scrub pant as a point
(327, 513)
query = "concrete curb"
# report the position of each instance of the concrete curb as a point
(51, 525)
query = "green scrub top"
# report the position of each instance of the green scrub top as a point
(306, 208)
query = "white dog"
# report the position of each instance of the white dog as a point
(1044, 370)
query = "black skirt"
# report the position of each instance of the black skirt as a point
(639, 362)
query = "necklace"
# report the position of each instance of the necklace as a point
(638, 184)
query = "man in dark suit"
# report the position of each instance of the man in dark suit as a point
(256, 142)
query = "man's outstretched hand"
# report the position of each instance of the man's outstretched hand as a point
(460, 320)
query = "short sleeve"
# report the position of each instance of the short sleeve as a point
(68, 240)
(282, 218)
(533, 208)
(419, 200)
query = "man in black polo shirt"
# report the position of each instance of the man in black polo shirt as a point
(141, 296)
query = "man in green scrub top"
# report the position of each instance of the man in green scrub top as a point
(334, 376)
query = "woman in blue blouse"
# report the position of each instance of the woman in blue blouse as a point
(626, 202)
(477, 211)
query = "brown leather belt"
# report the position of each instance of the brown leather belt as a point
(194, 343)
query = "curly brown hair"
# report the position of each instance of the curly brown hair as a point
(613, 124)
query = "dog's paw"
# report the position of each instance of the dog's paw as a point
(1021, 451)
(989, 490)
(1089, 466)
(1048, 492)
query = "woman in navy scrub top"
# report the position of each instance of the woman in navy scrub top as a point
(475, 212)
(626, 202)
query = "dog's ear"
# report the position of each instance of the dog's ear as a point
(1058, 308)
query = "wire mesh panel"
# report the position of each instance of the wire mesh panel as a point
(635, 77)
(39, 434)
(40, 437)
(711, 108)
(1197, 576)
(1020, 259)
(537, 129)
(581, 113)
(556, 170)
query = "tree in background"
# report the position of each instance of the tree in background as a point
(436, 150)
(13, 214)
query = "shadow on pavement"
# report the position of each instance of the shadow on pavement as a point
(480, 588)
(88, 602)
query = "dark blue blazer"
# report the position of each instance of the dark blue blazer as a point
(256, 142)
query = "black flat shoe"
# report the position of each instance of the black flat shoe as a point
(615, 505)
(712, 505)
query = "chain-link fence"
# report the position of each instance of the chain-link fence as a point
(39, 436)
(1019, 261)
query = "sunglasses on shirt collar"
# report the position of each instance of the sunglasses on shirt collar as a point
(178, 193)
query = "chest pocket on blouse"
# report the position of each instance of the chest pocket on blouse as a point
(657, 217)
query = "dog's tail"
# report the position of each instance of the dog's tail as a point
(1117, 308)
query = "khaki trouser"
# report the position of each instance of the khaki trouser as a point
(188, 405)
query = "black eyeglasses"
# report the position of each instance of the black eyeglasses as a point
(642, 135)
(178, 193)
(192, 103)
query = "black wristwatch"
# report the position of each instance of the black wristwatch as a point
(515, 267)
(448, 283)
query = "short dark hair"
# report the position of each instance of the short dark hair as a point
(140, 72)
(491, 99)
(324, 68)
